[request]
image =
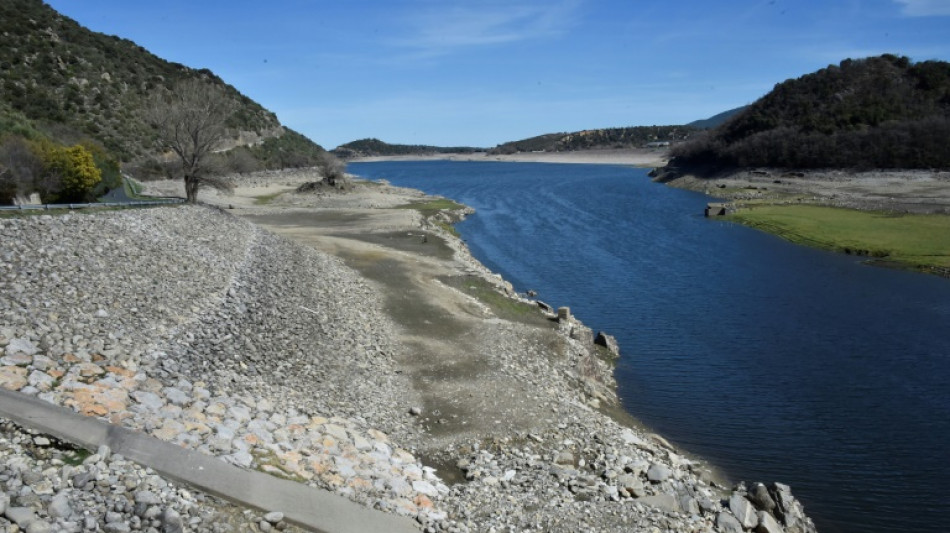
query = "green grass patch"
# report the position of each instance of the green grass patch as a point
(76, 457)
(433, 207)
(133, 188)
(448, 228)
(502, 306)
(265, 199)
(917, 241)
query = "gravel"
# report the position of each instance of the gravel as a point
(204, 330)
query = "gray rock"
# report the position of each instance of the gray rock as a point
(172, 522)
(632, 484)
(759, 496)
(664, 502)
(658, 473)
(149, 400)
(241, 458)
(565, 458)
(23, 346)
(424, 487)
(59, 506)
(274, 517)
(727, 523)
(104, 452)
(607, 341)
(176, 396)
(4, 502)
(768, 524)
(117, 527)
(147, 497)
(39, 526)
(21, 516)
(689, 505)
(743, 510)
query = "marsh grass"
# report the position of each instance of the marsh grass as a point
(449, 228)
(433, 207)
(910, 240)
(502, 306)
(266, 199)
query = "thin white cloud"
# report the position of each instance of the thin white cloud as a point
(444, 29)
(925, 8)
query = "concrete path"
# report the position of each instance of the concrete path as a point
(304, 506)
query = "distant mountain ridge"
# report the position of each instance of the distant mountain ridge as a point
(66, 82)
(717, 119)
(878, 112)
(631, 137)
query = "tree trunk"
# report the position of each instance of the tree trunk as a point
(191, 189)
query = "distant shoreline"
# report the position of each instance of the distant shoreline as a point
(640, 157)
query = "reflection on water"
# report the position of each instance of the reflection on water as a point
(775, 362)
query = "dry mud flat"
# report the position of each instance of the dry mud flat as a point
(343, 342)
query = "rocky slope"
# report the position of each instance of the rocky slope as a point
(203, 330)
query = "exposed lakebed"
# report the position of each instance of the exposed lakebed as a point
(774, 361)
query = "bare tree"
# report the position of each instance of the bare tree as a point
(191, 122)
(333, 170)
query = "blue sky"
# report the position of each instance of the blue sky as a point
(479, 73)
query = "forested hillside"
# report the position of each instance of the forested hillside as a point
(634, 137)
(376, 147)
(879, 112)
(66, 88)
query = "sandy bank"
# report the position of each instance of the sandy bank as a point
(627, 156)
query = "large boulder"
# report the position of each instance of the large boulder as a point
(609, 342)
(727, 523)
(743, 510)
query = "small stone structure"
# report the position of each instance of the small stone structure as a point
(716, 210)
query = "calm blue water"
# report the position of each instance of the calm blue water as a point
(773, 361)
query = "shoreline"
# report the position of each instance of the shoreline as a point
(773, 200)
(640, 157)
(492, 411)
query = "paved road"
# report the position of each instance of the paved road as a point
(307, 507)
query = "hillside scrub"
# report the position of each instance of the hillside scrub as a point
(58, 173)
(634, 137)
(879, 112)
(64, 82)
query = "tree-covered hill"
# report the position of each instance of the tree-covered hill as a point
(879, 112)
(69, 96)
(633, 137)
(67, 83)
(376, 147)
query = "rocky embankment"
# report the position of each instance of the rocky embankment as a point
(203, 330)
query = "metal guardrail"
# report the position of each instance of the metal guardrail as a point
(47, 207)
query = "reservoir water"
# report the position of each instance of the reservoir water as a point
(775, 362)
